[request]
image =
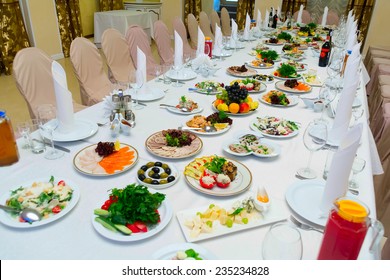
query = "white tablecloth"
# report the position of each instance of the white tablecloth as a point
(121, 20)
(73, 236)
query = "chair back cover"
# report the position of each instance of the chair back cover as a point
(225, 22)
(306, 18)
(34, 80)
(204, 24)
(374, 70)
(193, 30)
(136, 37)
(117, 54)
(163, 42)
(178, 25)
(379, 116)
(88, 68)
(214, 19)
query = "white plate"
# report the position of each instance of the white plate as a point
(10, 221)
(250, 64)
(272, 44)
(284, 79)
(170, 251)
(253, 127)
(240, 184)
(276, 212)
(273, 146)
(148, 93)
(293, 101)
(297, 198)
(280, 86)
(314, 83)
(183, 75)
(238, 47)
(165, 211)
(178, 111)
(91, 149)
(231, 114)
(174, 172)
(204, 91)
(212, 132)
(293, 58)
(248, 73)
(224, 54)
(82, 129)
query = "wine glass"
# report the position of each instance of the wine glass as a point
(177, 68)
(136, 80)
(47, 124)
(24, 129)
(357, 167)
(282, 242)
(187, 59)
(157, 72)
(314, 138)
(357, 113)
(327, 95)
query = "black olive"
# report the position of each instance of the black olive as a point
(156, 170)
(168, 171)
(157, 163)
(144, 167)
(171, 179)
(155, 176)
(155, 182)
(141, 177)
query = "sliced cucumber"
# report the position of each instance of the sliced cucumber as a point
(106, 223)
(123, 229)
(101, 212)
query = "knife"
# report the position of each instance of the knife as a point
(47, 143)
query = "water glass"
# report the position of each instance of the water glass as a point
(357, 167)
(165, 70)
(157, 71)
(24, 131)
(136, 82)
(37, 144)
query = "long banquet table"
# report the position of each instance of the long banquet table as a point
(73, 236)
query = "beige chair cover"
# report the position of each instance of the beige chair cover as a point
(204, 24)
(34, 80)
(374, 72)
(178, 25)
(368, 56)
(214, 19)
(88, 68)
(117, 55)
(225, 22)
(378, 78)
(163, 42)
(193, 30)
(331, 19)
(136, 37)
(306, 18)
(378, 116)
(386, 250)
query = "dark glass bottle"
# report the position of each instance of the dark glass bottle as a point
(325, 52)
(275, 19)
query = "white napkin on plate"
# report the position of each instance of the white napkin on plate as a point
(299, 18)
(266, 20)
(234, 35)
(141, 64)
(351, 37)
(247, 27)
(178, 61)
(258, 20)
(337, 182)
(64, 99)
(324, 16)
(201, 42)
(201, 60)
(218, 40)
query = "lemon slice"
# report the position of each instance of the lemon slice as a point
(117, 145)
(220, 126)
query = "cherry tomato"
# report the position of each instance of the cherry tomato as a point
(104, 207)
(113, 198)
(141, 226)
(133, 228)
(56, 209)
(61, 183)
(108, 202)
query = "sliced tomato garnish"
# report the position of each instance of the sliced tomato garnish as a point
(56, 209)
(61, 183)
(142, 227)
(133, 228)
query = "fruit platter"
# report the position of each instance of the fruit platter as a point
(286, 71)
(240, 71)
(235, 100)
(157, 175)
(278, 98)
(275, 127)
(209, 87)
(219, 176)
(218, 120)
(293, 86)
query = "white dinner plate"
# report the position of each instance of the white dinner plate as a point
(253, 127)
(313, 82)
(240, 184)
(10, 221)
(165, 211)
(182, 75)
(178, 111)
(294, 57)
(235, 73)
(195, 131)
(174, 172)
(223, 54)
(280, 86)
(170, 251)
(82, 129)
(273, 146)
(293, 101)
(148, 93)
(284, 79)
(250, 64)
(276, 212)
(204, 91)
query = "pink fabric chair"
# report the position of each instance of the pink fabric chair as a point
(378, 116)
(331, 19)
(380, 76)
(306, 18)
(193, 30)
(34, 80)
(178, 25)
(225, 22)
(88, 68)
(136, 37)
(386, 250)
(373, 70)
(372, 48)
(117, 54)
(163, 42)
(214, 19)
(204, 24)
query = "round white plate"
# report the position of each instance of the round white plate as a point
(284, 79)
(250, 64)
(165, 211)
(183, 75)
(293, 58)
(82, 129)
(248, 73)
(204, 91)
(254, 128)
(10, 221)
(240, 184)
(293, 101)
(272, 44)
(170, 251)
(266, 76)
(213, 132)
(175, 173)
(231, 114)
(273, 146)
(280, 86)
(224, 54)
(148, 93)
(77, 161)
(178, 111)
(314, 83)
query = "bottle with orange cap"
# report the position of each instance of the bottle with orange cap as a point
(209, 49)
(346, 230)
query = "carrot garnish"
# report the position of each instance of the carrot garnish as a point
(117, 161)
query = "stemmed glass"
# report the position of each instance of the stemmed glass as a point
(47, 124)
(136, 80)
(177, 68)
(157, 71)
(24, 131)
(327, 95)
(357, 113)
(282, 242)
(187, 59)
(357, 167)
(314, 138)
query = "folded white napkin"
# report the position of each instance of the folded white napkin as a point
(141, 64)
(201, 60)
(299, 18)
(266, 20)
(178, 61)
(217, 40)
(337, 182)
(234, 34)
(247, 27)
(258, 20)
(324, 16)
(351, 36)
(201, 42)
(64, 99)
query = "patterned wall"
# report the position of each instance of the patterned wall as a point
(316, 7)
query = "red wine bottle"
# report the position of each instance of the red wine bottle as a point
(325, 52)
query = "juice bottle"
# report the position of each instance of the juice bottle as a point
(8, 149)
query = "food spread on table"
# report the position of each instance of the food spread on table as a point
(209, 87)
(298, 66)
(275, 126)
(186, 102)
(156, 173)
(264, 78)
(252, 85)
(267, 56)
(294, 86)
(218, 120)
(240, 71)
(248, 144)
(286, 71)
(276, 97)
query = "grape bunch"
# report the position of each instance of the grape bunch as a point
(105, 148)
(236, 94)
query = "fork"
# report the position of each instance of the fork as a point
(304, 226)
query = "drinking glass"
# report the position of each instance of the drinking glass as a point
(157, 71)
(314, 138)
(47, 124)
(177, 69)
(136, 82)
(327, 95)
(282, 242)
(187, 59)
(357, 113)
(24, 129)
(357, 167)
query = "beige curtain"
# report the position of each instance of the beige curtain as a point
(69, 21)
(13, 35)
(192, 7)
(292, 5)
(109, 5)
(362, 9)
(244, 7)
